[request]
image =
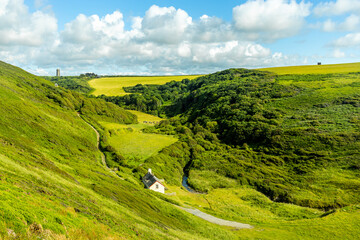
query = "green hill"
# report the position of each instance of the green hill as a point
(53, 184)
(278, 152)
(275, 133)
(294, 138)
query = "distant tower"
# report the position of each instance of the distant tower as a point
(58, 72)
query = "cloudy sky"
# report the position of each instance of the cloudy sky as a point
(175, 37)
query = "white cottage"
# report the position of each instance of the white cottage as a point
(151, 182)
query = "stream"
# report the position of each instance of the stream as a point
(185, 184)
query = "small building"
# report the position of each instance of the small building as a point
(58, 72)
(153, 183)
(319, 63)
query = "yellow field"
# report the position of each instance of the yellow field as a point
(315, 69)
(113, 86)
(146, 118)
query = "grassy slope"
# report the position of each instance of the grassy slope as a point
(50, 174)
(273, 220)
(287, 221)
(315, 69)
(315, 107)
(318, 107)
(113, 86)
(62, 186)
(133, 144)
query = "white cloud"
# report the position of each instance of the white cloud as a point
(232, 53)
(163, 41)
(90, 29)
(19, 27)
(165, 25)
(337, 7)
(338, 54)
(270, 19)
(39, 3)
(329, 26)
(351, 23)
(212, 29)
(184, 50)
(349, 40)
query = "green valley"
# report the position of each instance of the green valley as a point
(278, 150)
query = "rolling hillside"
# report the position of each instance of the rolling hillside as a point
(278, 152)
(53, 184)
(293, 138)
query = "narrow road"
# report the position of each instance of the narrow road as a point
(216, 220)
(103, 159)
(209, 217)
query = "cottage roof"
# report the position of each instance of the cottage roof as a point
(149, 179)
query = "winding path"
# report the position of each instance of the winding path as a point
(209, 217)
(103, 159)
(216, 220)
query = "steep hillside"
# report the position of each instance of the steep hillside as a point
(52, 182)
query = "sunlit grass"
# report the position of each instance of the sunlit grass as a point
(113, 86)
(315, 69)
(144, 117)
(133, 144)
(271, 220)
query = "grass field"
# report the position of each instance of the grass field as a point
(271, 220)
(113, 86)
(132, 143)
(315, 69)
(144, 117)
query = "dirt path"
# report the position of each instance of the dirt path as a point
(216, 220)
(103, 159)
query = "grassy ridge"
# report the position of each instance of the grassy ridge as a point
(52, 182)
(113, 86)
(51, 175)
(315, 69)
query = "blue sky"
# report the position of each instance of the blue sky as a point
(176, 37)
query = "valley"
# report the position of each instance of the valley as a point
(276, 150)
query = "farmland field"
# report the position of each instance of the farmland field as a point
(315, 69)
(113, 86)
